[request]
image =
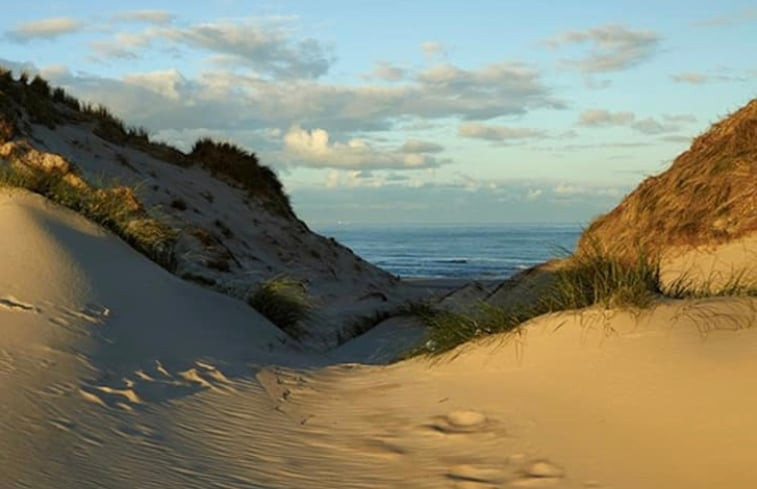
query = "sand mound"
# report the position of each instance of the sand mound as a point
(708, 196)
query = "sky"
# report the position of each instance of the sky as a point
(411, 112)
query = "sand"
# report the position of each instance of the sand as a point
(116, 374)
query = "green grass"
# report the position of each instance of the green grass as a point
(285, 302)
(590, 279)
(109, 207)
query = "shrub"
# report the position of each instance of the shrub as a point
(243, 167)
(285, 302)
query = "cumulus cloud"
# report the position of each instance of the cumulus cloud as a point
(167, 83)
(145, 16)
(233, 100)
(313, 148)
(613, 47)
(497, 133)
(44, 29)
(386, 71)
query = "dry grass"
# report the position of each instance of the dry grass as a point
(113, 208)
(709, 195)
(591, 278)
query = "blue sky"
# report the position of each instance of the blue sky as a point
(423, 111)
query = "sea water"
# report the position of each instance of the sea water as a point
(456, 251)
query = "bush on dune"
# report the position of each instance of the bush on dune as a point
(285, 302)
(243, 167)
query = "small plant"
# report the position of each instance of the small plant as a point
(285, 302)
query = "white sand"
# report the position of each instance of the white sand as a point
(115, 374)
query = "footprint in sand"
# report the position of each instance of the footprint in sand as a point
(472, 476)
(539, 473)
(464, 421)
(10, 303)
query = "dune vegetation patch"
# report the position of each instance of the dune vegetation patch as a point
(591, 278)
(115, 208)
(285, 302)
(52, 107)
(707, 196)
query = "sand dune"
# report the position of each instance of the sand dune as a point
(116, 374)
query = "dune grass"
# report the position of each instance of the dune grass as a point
(113, 208)
(591, 278)
(285, 302)
(707, 196)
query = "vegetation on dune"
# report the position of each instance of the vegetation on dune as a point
(114, 208)
(590, 278)
(242, 166)
(53, 106)
(285, 302)
(708, 195)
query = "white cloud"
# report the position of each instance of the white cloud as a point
(267, 49)
(648, 125)
(601, 117)
(123, 46)
(417, 146)
(690, 77)
(613, 47)
(44, 29)
(497, 133)
(167, 83)
(313, 148)
(146, 16)
(697, 78)
(653, 126)
(244, 100)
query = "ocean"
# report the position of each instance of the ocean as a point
(456, 251)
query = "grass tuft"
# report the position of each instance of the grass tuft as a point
(285, 302)
(113, 208)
